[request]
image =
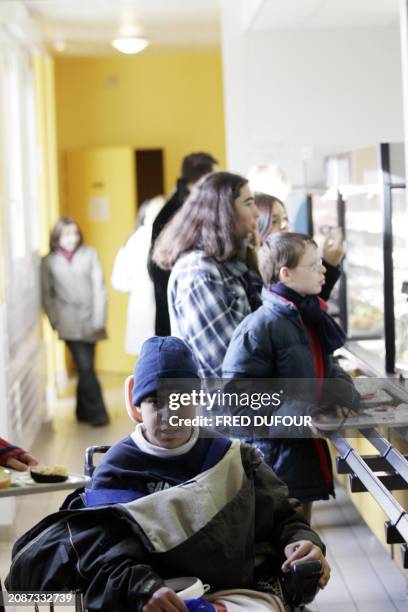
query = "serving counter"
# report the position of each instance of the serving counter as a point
(370, 450)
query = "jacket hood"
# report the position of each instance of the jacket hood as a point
(278, 304)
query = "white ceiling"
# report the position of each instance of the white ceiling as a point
(86, 27)
(324, 14)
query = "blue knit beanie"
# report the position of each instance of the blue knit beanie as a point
(161, 357)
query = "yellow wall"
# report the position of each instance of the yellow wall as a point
(172, 100)
(108, 173)
(46, 139)
(49, 201)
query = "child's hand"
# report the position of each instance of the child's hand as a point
(344, 412)
(165, 600)
(306, 551)
(333, 250)
(338, 412)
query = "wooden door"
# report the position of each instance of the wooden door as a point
(149, 172)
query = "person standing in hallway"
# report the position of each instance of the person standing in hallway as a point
(292, 337)
(194, 167)
(74, 298)
(130, 275)
(212, 286)
(273, 218)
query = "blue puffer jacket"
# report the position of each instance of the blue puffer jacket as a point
(273, 342)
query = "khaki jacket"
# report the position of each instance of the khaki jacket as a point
(215, 526)
(74, 295)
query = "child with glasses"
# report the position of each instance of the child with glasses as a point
(291, 336)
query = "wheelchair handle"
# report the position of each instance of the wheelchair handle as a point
(89, 467)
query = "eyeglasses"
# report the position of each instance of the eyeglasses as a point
(315, 266)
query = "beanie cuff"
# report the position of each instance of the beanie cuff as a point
(152, 386)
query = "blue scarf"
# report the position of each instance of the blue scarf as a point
(330, 334)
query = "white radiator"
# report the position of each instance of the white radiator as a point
(26, 396)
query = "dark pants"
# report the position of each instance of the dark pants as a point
(90, 405)
(160, 281)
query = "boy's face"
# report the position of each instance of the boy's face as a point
(156, 426)
(308, 276)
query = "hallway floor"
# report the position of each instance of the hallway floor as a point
(364, 579)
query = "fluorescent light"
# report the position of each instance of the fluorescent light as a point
(129, 45)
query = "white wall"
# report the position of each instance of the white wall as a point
(22, 381)
(296, 94)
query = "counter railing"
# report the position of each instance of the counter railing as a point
(376, 474)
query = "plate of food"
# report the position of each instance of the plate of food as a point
(371, 391)
(43, 473)
(42, 479)
(381, 410)
(382, 414)
(5, 478)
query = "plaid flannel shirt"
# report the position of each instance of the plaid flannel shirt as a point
(207, 301)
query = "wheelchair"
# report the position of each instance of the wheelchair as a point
(300, 584)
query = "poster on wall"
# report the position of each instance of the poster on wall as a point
(99, 209)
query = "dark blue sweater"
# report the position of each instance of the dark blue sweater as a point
(126, 472)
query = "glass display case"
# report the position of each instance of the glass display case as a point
(364, 263)
(366, 197)
(400, 260)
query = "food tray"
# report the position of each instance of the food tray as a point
(379, 397)
(393, 416)
(23, 484)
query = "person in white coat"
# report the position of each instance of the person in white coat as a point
(74, 298)
(130, 275)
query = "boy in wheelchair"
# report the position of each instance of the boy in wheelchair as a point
(167, 502)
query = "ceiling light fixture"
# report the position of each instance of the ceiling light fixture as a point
(59, 45)
(129, 44)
